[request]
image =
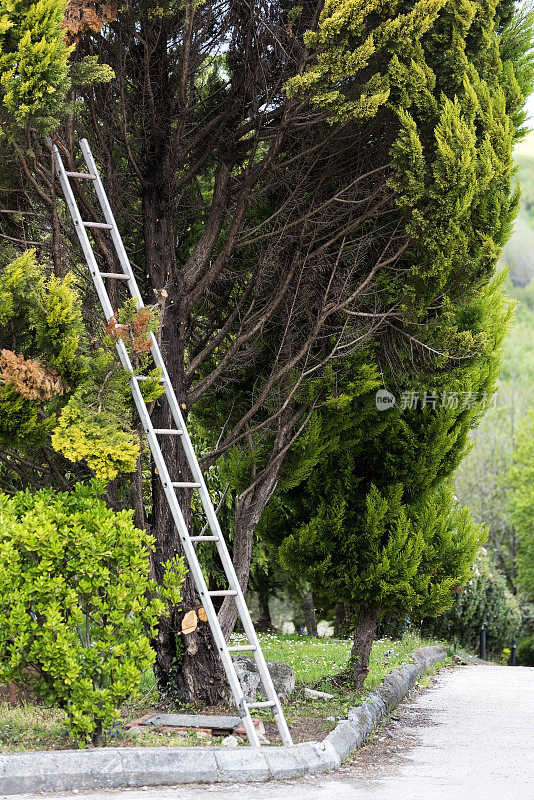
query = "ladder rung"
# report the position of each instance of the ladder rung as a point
(144, 377)
(204, 538)
(186, 485)
(239, 648)
(81, 175)
(263, 704)
(120, 276)
(223, 593)
(103, 225)
(169, 431)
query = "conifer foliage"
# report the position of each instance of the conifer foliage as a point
(61, 390)
(28, 377)
(82, 16)
(34, 70)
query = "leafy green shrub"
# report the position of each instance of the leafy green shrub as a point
(527, 615)
(77, 609)
(525, 652)
(485, 598)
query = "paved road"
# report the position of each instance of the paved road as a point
(469, 737)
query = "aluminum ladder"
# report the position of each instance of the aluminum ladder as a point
(169, 486)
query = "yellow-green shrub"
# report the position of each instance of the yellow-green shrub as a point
(77, 609)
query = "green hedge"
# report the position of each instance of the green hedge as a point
(485, 598)
(525, 652)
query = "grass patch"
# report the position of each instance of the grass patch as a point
(314, 661)
(31, 728)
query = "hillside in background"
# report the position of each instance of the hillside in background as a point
(481, 478)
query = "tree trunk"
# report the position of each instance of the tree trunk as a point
(309, 613)
(265, 622)
(188, 667)
(364, 634)
(248, 510)
(112, 494)
(340, 621)
(96, 738)
(249, 507)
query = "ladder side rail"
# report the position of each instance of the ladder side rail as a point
(82, 236)
(222, 548)
(110, 219)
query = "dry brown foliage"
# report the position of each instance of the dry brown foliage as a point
(82, 16)
(29, 377)
(134, 333)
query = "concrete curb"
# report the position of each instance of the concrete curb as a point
(107, 768)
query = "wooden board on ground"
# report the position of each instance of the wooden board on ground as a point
(211, 722)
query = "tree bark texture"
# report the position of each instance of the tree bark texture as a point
(309, 613)
(340, 621)
(363, 637)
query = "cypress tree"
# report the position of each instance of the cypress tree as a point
(34, 69)
(362, 518)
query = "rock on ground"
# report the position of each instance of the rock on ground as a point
(313, 694)
(247, 672)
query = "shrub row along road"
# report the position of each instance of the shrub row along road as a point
(470, 736)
